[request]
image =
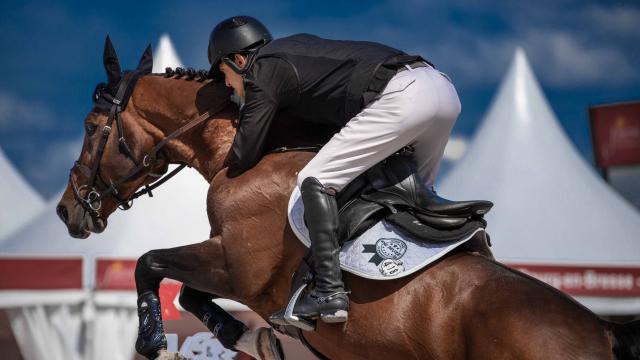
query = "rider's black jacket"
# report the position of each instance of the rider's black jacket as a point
(311, 79)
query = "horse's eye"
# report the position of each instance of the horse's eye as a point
(90, 128)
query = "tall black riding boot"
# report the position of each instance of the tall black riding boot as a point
(327, 299)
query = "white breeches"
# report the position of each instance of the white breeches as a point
(418, 107)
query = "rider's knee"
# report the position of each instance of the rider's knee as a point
(303, 174)
(307, 182)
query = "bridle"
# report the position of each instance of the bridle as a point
(92, 200)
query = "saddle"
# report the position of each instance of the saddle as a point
(392, 190)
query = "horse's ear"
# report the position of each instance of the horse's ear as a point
(146, 61)
(111, 63)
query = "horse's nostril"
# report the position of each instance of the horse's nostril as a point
(61, 210)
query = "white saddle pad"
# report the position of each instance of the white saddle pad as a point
(381, 252)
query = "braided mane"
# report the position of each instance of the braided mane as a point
(189, 74)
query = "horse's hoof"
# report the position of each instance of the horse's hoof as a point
(268, 345)
(165, 355)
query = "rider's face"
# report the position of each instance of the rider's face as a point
(233, 79)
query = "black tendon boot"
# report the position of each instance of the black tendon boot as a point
(221, 324)
(151, 338)
(327, 299)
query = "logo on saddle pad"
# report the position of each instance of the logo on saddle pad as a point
(387, 253)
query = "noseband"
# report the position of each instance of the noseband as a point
(92, 200)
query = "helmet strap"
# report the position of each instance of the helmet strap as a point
(237, 69)
(251, 56)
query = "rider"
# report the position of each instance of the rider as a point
(382, 98)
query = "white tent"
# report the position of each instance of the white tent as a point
(20, 202)
(55, 310)
(175, 216)
(554, 217)
(165, 55)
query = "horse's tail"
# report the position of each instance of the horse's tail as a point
(627, 340)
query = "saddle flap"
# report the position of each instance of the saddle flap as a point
(356, 217)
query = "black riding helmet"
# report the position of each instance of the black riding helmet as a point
(239, 34)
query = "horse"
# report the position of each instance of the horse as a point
(465, 305)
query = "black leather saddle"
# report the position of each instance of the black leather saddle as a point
(392, 190)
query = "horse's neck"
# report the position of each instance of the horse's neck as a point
(166, 105)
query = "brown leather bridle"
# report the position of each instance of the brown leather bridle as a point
(92, 200)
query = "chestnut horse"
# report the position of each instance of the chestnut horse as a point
(465, 305)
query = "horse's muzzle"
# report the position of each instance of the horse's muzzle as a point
(80, 224)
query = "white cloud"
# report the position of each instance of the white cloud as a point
(563, 60)
(559, 58)
(472, 60)
(19, 114)
(620, 20)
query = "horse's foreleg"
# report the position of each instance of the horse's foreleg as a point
(202, 269)
(199, 266)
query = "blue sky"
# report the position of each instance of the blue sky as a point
(583, 52)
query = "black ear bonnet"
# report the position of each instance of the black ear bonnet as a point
(104, 94)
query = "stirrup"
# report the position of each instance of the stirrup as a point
(277, 318)
(299, 322)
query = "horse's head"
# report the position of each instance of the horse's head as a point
(114, 161)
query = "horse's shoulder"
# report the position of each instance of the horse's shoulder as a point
(269, 183)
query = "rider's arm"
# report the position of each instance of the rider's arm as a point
(270, 86)
(255, 118)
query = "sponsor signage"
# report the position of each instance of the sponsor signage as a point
(615, 129)
(587, 280)
(203, 345)
(40, 273)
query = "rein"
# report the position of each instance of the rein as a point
(92, 201)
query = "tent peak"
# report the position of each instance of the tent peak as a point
(520, 92)
(165, 55)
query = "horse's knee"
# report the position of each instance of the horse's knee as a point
(146, 265)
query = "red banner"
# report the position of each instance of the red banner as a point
(115, 274)
(587, 280)
(615, 129)
(40, 273)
